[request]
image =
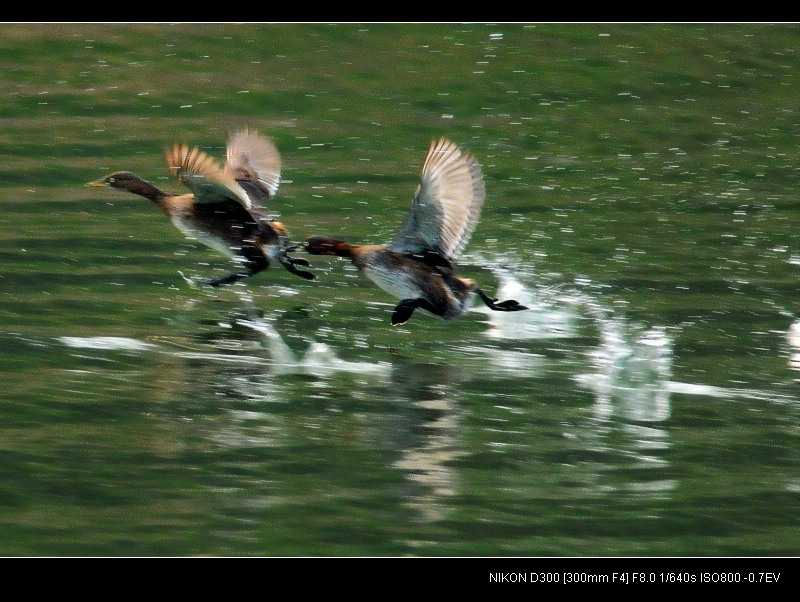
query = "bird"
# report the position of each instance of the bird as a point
(416, 266)
(225, 209)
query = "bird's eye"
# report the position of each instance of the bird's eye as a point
(111, 180)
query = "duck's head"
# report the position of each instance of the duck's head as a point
(324, 245)
(124, 180)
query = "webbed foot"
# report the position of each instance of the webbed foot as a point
(213, 281)
(229, 279)
(403, 311)
(491, 303)
(406, 307)
(290, 263)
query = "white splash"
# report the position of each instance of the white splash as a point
(548, 316)
(108, 343)
(318, 360)
(633, 370)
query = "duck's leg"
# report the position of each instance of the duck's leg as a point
(509, 305)
(406, 307)
(249, 258)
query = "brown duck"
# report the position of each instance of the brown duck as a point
(225, 209)
(416, 266)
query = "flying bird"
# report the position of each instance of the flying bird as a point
(226, 208)
(416, 266)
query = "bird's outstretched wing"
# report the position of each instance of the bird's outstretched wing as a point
(254, 162)
(446, 205)
(204, 177)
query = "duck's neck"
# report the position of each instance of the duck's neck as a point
(148, 191)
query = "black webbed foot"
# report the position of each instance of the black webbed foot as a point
(229, 279)
(403, 311)
(509, 305)
(406, 307)
(290, 263)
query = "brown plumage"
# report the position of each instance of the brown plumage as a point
(416, 266)
(225, 209)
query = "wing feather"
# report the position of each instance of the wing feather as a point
(201, 173)
(446, 205)
(254, 162)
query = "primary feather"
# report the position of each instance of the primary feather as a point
(254, 159)
(446, 205)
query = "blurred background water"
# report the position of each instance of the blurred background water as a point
(641, 183)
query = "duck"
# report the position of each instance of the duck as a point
(416, 266)
(225, 208)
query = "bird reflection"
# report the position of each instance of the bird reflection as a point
(432, 437)
(415, 422)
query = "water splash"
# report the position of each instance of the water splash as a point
(106, 343)
(549, 315)
(633, 366)
(318, 360)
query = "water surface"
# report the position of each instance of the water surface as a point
(641, 186)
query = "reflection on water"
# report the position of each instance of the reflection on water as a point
(426, 455)
(422, 428)
(398, 424)
(423, 431)
(630, 382)
(628, 370)
(655, 374)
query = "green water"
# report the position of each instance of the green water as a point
(641, 184)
